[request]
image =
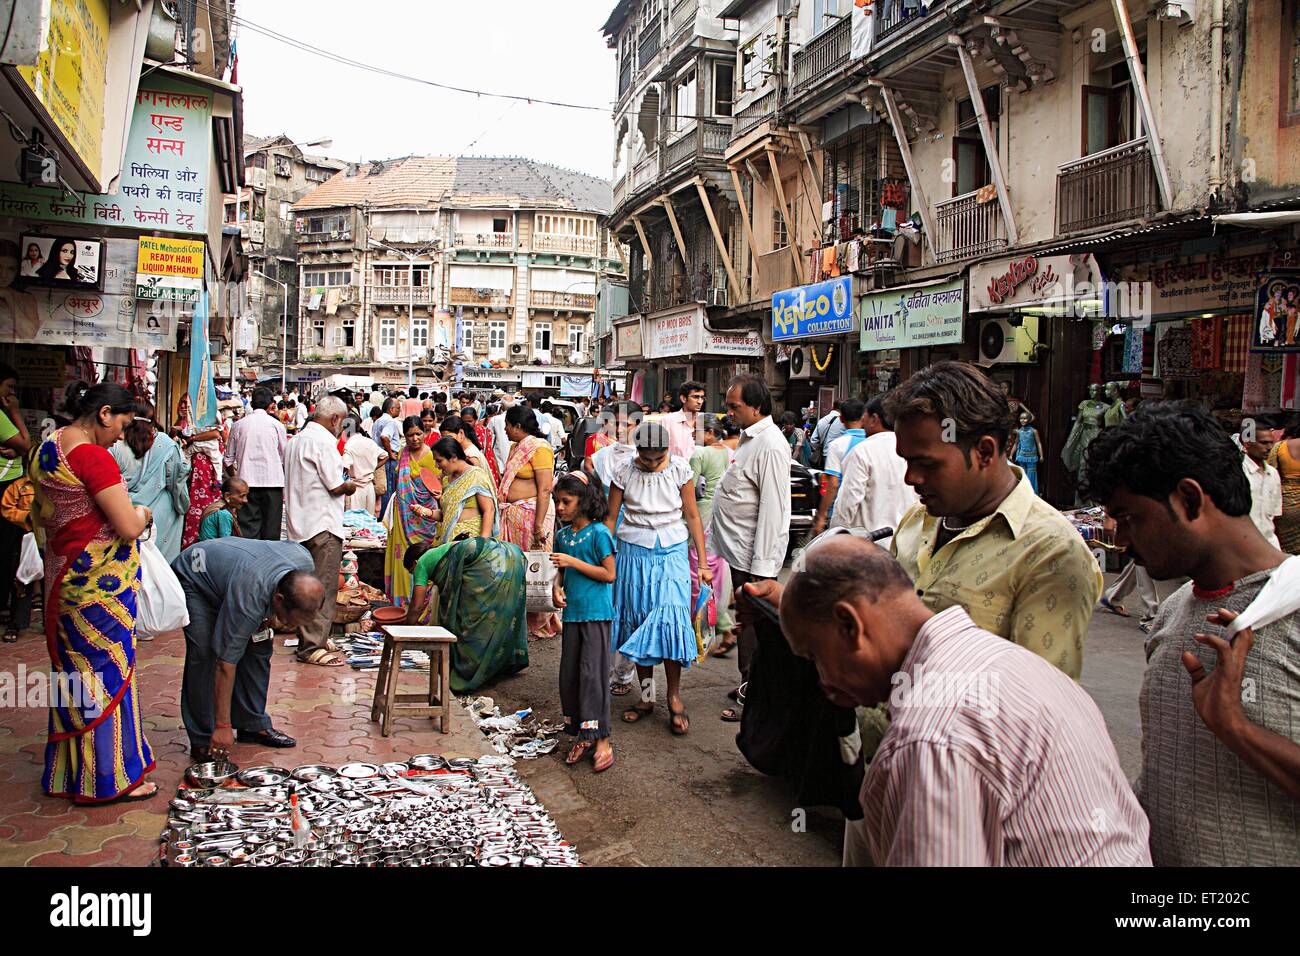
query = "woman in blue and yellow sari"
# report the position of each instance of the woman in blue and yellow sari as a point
(97, 750)
(414, 509)
(481, 599)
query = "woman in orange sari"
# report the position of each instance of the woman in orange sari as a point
(97, 751)
(527, 519)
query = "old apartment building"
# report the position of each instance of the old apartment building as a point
(903, 182)
(277, 173)
(423, 262)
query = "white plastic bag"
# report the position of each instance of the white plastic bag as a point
(160, 604)
(1278, 598)
(539, 580)
(30, 566)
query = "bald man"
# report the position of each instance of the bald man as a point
(238, 592)
(993, 757)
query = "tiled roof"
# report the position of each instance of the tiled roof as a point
(465, 182)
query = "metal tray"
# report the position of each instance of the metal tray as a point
(311, 771)
(263, 776)
(358, 771)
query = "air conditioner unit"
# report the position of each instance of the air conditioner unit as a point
(1001, 343)
(801, 364)
(518, 350)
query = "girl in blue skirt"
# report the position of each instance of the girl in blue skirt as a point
(652, 591)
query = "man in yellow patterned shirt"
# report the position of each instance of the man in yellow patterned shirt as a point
(981, 537)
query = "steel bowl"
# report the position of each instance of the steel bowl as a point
(212, 774)
(263, 776)
(427, 762)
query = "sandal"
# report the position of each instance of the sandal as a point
(134, 794)
(732, 715)
(621, 690)
(633, 714)
(679, 715)
(322, 658)
(578, 751)
(11, 636)
(1114, 608)
(603, 761)
(724, 648)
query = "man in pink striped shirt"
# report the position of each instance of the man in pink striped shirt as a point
(993, 756)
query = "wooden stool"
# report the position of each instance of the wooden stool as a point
(436, 642)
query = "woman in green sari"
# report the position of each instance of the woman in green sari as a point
(468, 502)
(481, 599)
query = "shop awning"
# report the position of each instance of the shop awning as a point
(1259, 220)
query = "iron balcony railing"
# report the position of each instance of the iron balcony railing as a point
(620, 190)
(625, 76)
(755, 114)
(894, 17)
(823, 54)
(1115, 185)
(967, 228)
(645, 172)
(682, 22)
(708, 140)
(490, 297)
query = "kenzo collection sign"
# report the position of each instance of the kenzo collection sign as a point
(824, 308)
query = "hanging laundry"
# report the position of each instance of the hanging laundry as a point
(889, 218)
(830, 269)
(986, 194)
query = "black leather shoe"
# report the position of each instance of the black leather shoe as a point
(267, 738)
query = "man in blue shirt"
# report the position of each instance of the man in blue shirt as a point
(827, 429)
(852, 414)
(238, 591)
(387, 434)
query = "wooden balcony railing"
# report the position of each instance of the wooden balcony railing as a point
(582, 245)
(649, 44)
(486, 240)
(708, 140)
(645, 172)
(756, 113)
(400, 294)
(681, 25)
(620, 190)
(584, 301)
(823, 54)
(624, 77)
(489, 297)
(967, 228)
(1116, 185)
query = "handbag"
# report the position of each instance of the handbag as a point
(160, 601)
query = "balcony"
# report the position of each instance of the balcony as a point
(825, 53)
(485, 240)
(491, 298)
(897, 19)
(681, 24)
(1116, 185)
(256, 178)
(645, 172)
(579, 245)
(707, 140)
(253, 230)
(579, 301)
(648, 45)
(967, 228)
(400, 295)
(620, 190)
(762, 110)
(624, 77)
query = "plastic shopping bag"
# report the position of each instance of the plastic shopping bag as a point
(539, 580)
(1278, 598)
(160, 603)
(30, 566)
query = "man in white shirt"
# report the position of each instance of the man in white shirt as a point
(387, 433)
(750, 527)
(852, 412)
(315, 486)
(872, 493)
(300, 415)
(682, 426)
(1265, 481)
(255, 453)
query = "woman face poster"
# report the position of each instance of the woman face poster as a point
(59, 261)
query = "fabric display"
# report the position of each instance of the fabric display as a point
(1133, 338)
(1236, 344)
(1207, 343)
(1176, 354)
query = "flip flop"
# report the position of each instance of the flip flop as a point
(599, 767)
(322, 658)
(676, 715)
(1114, 608)
(621, 690)
(724, 648)
(578, 751)
(731, 715)
(633, 714)
(132, 796)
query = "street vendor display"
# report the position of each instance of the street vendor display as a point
(431, 810)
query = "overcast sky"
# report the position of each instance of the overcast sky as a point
(551, 50)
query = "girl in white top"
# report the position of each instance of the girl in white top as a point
(652, 591)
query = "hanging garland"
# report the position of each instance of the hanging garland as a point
(822, 366)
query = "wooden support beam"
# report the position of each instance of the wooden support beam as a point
(806, 146)
(717, 234)
(745, 221)
(1148, 115)
(795, 251)
(986, 134)
(918, 192)
(645, 248)
(677, 233)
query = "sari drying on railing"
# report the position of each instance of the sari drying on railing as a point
(97, 749)
(417, 480)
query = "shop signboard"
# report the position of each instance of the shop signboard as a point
(906, 318)
(68, 77)
(1006, 284)
(1276, 325)
(163, 186)
(474, 374)
(41, 367)
(1214, 283)
(748, 343)
(575, 386)
(627, 339)
(674, 333)
(810, 311)
(169, 270)
(109, 317)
